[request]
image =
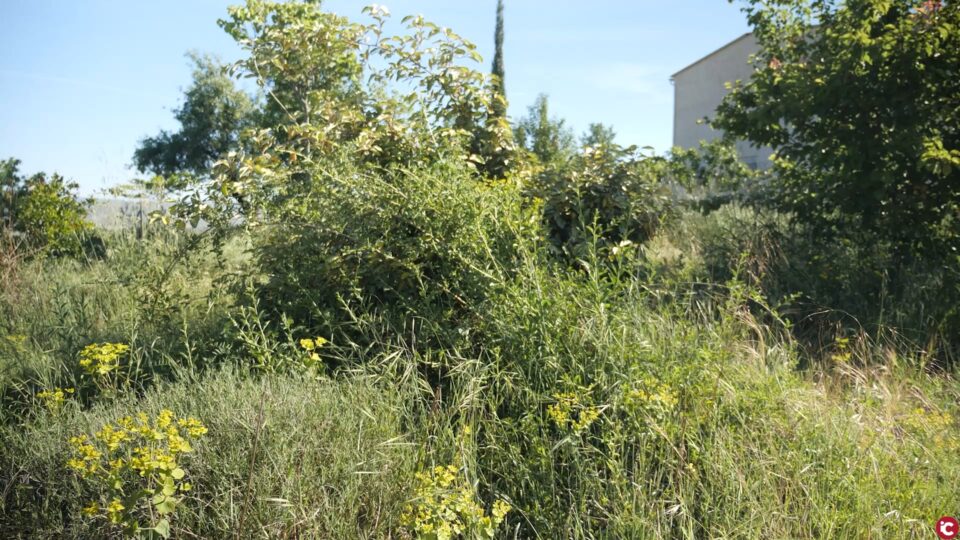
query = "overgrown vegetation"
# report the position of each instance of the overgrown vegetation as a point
(398, 322)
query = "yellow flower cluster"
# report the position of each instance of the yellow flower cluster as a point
(939, 426)
(17, 339)
(446, 507)
(102, 358)
(843, 353)
(569, 413)
(115, 511)
(652, 396)
(54, 399)
(136, 454)
(86, 457)
(91, 509)
(311, 346)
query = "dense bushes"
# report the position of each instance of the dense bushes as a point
(590, 402)
(830, 288)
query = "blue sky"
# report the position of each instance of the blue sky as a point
(82, 81)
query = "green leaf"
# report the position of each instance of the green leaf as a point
(163, 528)
(168, 505)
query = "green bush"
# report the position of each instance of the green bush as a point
(44, 209)
(603, 195)
(426, 244)
(832, 287)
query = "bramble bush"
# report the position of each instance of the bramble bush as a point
(427, 244)
(360, 186)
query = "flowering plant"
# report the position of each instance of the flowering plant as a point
(135, 464)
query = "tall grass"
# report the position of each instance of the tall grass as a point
(284, 458)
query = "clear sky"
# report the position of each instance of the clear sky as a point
(82, 81)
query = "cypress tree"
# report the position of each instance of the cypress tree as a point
(500, 97)
(494, 140)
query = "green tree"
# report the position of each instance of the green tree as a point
(43, 209)
(307, 61)
(334, 90)
(598, 134)
(212, 115)
(861, 100)
(549, 139)
(494, 144)
(331, 82)
(499, 86)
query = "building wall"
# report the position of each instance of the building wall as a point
(699, 89)
(121, 213)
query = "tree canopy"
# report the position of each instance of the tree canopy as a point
(546, 137)
(861, 101)
(213, 113)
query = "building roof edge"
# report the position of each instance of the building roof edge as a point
(748, 34)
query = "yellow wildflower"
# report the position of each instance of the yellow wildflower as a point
(149, 447)
(446, 506)
(101, 359)
(54, 399)
(115, 511)
(91, 509)
(569, 413)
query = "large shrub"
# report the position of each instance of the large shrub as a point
(604, 194)
(360, 184)
(43, 210)
(427, 243)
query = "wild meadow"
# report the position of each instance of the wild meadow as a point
(375, 307)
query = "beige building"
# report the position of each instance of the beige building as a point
(700, 87)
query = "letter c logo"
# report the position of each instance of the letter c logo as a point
(948, 528)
